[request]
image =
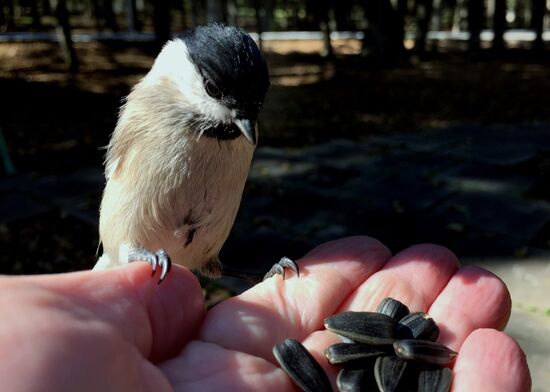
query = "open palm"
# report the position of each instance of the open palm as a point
(118, 330)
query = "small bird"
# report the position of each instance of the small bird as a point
(178, 159)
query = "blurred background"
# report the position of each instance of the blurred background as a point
(406, 120)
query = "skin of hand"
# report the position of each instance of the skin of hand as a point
(117, 330)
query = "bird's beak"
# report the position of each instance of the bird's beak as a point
(248, 129)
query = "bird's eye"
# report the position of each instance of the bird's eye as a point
(212, 90)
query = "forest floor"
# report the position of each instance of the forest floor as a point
(448, 148)
(56, 123)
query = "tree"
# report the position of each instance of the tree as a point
(499, 24)
(64, 33)
(161, 21)
(537, 22)
(424, 10)
(8, 18)
(214, 11)
(198, 11)
(437, 15)
(46, 8)
(456, 7)
(320, 12)
(2, 16)
(110, 18)
(475, 23)
(384, 36)
(268, 12)
(97, 14)
(342, 11)
(231, 12)
(259, 26)
(264, 12)
(324, 24)
(35, 15)
(132, 21)
(104, 15)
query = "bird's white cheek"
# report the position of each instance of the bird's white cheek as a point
(203, 103)
(220, 113)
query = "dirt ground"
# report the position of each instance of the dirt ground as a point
(55, 122)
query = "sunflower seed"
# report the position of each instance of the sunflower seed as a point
(424, 351)
(393, 308)
(298, 363)
(388, 350)
(434, 380)
(342, 353)
(363, 327)
(418, 326)
(356, 380)
(388, 371)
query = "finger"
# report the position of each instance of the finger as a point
(157, 319)
(275, 309)
(316, 344)
(414, 276)
(474, 298)
(489, 361)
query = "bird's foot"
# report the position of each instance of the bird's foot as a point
(156, 259)
(280, 267)
(255, 278)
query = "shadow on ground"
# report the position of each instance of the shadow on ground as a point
(408, 154)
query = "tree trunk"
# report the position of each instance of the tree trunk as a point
(9, 167)
(384, 37)
(475, 23)
(499, 24)
(436, 15)
(2, 16)
(537, 22)
(268, 14)
(324, 24)
(342, 11)
(110, 17)
(64, 33)
(523, 13)
(457, 7)
(9, 20)
(424, 9)
(259, 26)
(214, 11)
(400, 14)
(132, 21)
(46, 9)
(198, 12)
(161, 21)
(319, 12)
(232, 13)
(35, 14)
(97, 15)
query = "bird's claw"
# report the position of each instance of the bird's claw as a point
(280, 267)
(157, 259)
(164, 262)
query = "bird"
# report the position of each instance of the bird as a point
(178, 158)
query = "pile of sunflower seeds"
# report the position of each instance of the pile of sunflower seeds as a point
(387, 350)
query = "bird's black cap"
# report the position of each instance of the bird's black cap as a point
(230, 59)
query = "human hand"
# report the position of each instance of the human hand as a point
(118, 330)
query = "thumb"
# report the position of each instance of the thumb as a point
(158, 319)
